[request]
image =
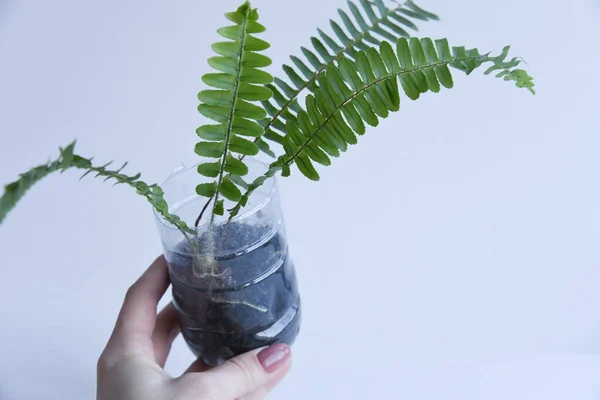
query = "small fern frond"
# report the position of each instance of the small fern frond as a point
(14, 191)
(371, 23)
(353, 94)
(239, 83)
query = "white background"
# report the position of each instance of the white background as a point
(452, 254)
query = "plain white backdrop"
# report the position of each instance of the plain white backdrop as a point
(452, 254)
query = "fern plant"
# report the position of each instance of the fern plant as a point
(373, 23)
(239, 84)
(346, 82)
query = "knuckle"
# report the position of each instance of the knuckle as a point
(101, 364)
(113, 363)
(131, 291)
(105, 363)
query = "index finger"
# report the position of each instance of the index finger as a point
(138, 314)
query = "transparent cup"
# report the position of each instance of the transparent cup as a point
(234, 284)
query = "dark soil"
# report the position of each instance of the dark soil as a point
(248, 300)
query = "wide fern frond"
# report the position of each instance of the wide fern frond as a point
(239, 83)
(371, 23)
(14, 191)
(353, 94)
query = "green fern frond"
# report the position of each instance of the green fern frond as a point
(239, 83)
(14, 191)
(353, 94)
(371, 23)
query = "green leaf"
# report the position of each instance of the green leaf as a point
(395, 28)
(321, 50)
(206, 189)
(339, 32)
(349, 25)
(443, 49)
(239, 181)
(231, 32)
(331, 43)
(212, 132)
(243, 146)
(368, 8)
(296, 137)
(444, 75)
(235, 166)
(229, 50)
(430, 51)
(312, 58)
(245, 109)
(210, 149)
(224, 64)
(294, 77)
(306, 167)
(315, 153)
(287, 89)
(413, 14)
(273, 136)
(264, 147)
(418, 55)
(210, 170)
(385, 34)
(404, 54)
(354, 119)
(404, 21)
(229, 190)
(422, 12)
(364, 26)
(254, 27)
(215, 97)
(220, 81)
(302, 67)
(254, 75)
(255, 44)
(219, 208)
(255, 60)
(246, 127)
(389, 58)
(250, 92)
(216, 113)
(240, 15)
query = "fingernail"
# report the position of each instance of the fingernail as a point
(272, 358)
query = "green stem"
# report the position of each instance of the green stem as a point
(230, 122)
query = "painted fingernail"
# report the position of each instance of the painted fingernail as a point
(274, 357)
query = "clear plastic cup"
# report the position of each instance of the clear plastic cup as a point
(234, 284)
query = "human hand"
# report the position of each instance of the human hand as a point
(131, 366)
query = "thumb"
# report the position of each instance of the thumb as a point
(251, 371)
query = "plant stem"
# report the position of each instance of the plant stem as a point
(202, 212)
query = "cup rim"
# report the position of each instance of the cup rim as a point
(270, 183)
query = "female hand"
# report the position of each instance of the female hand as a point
(131, 366)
